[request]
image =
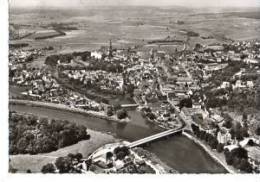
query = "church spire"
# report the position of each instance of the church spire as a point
(110, 48)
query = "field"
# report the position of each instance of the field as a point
(127, 26)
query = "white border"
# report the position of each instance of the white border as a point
(3, 89)
(71, 178)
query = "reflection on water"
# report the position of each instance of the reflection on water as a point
(131, 131)
(185, 156)
(178, 152)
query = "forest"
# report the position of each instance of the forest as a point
(33, 135)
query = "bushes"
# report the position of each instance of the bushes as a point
(110, 111)
(228, 124)
(64, 164)
(52, 60)
(48, 168)
(220, 148)
(238, 157)
(185, 103)
(121, 152)
(209, 138)
(29, 134)
(257, 131)
(122, 114)
(238, 132)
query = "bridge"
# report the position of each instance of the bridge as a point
(129, 105)
(155, 137)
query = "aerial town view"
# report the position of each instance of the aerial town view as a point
(136, 88)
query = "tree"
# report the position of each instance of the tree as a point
(109, 155)
(82, 133)
(53, 134)
(109, 111)
(120, 155)
(213, 143)
(245, 166)
(220, 147)
(122, 114)
(146, 109)
(257, 131)
(121, 152)
(251, 142)
(71, 156)
(240, 153)
(244, 132)
(236, 162)
(117, 106)
(21, 145)
(63, 164)
(79, 156)
(229, 158)
(240, 132)
(244, 117)
(185, 103)
(48, 168)
(228, 124)
(151, 115)
(130, 88)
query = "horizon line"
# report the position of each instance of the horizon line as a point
(154, 6)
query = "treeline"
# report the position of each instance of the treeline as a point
(18, 45)
(237, 157)
(67, 164)
(94, 64)
(57, 34)
(63, 26)
(210, 139)
(114, 66)
(52, 60)
(30, 134)
(120, 112)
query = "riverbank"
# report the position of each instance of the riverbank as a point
(69, 109)
(175, 151)
(153, 160)
(23, 162)
(214, 155)
(156, 166)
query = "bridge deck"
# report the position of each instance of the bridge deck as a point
(153, 137)
(129, 105)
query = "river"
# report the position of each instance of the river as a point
(178, 152)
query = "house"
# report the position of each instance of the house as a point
(224, 137)
(96, 54)
(251, 61)
(250, 84)
(254, 155)
(225, 85)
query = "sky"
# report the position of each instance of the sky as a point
(82, 3)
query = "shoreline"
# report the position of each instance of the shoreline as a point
(66, 108)
(74, 110)
(153, 160)
(150, 158)
(209, 152)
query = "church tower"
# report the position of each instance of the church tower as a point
(110, 54)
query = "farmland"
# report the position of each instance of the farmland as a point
(89, 29)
